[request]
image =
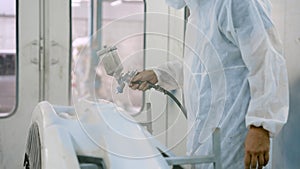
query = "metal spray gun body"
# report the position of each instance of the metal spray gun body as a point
(113, 67)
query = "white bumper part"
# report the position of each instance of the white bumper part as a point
(97, 130)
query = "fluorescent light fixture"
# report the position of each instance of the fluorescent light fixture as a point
(116, 2)
(75, 4)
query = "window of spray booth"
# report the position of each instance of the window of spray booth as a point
(8, 45)
(99, 23)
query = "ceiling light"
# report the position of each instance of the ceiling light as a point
(116, 2)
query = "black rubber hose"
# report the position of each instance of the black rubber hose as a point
(166, 92)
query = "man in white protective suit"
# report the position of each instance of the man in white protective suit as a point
(233, 76)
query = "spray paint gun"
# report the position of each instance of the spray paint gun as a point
(113, 67)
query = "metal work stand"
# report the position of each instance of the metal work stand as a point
(173, 160)
(213, 158)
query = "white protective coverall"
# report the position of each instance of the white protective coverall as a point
(233, 73)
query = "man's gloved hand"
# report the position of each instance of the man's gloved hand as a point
(144, 76)
(257, 147)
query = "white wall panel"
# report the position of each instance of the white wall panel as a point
(286, 145)
(57, 54)
(164, 42)
(177, 123)
(13, 129)
(156, 54)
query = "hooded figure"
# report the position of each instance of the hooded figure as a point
(233, 76)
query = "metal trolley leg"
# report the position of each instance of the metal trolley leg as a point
(217, 149)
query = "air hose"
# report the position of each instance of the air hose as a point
(166, 92)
